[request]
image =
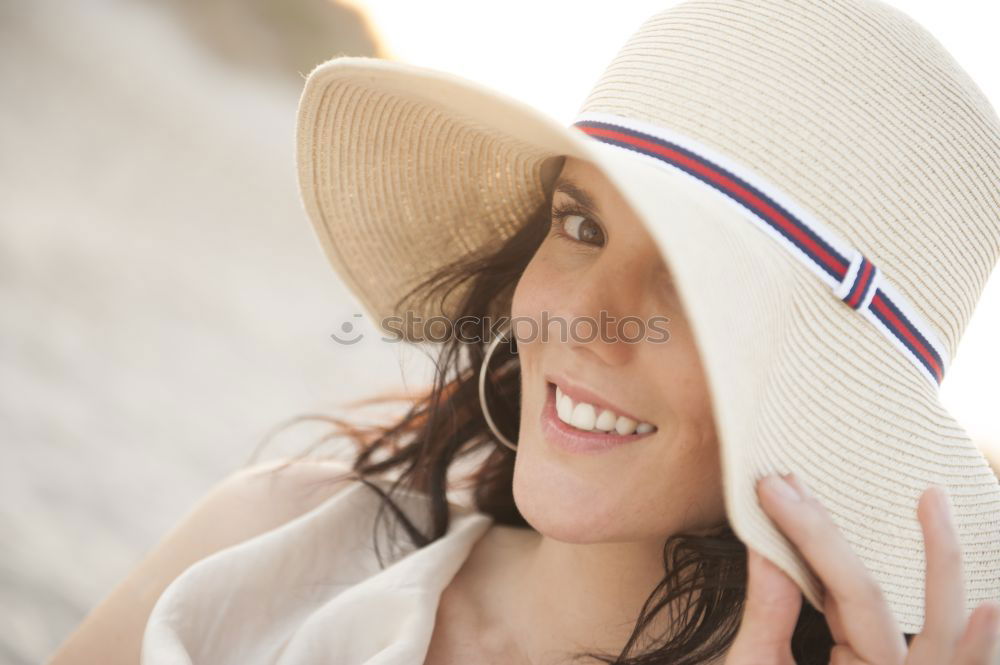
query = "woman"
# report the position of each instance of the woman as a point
(723, 177)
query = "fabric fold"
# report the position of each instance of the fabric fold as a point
(312, 590)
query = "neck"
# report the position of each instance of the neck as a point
(548, 599)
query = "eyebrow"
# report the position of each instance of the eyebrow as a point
(567, 186)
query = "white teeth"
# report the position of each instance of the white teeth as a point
(625, 425)
(584, 416)
(606, 421)
(565, 408)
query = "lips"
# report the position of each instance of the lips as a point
(587, 417)
(570, 439)
(596, 412)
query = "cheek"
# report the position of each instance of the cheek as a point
(687, 470)
(684, 481)
(538, 287)
(687, 389)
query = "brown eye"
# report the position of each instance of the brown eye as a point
(583, 229)
(571, 224)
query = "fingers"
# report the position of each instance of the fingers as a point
(865, 619)
(832, 615)
(979, 644)
(942, 638)
(770, 612)
(861, 622)
(944, 603)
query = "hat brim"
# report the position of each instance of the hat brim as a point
(403, 169)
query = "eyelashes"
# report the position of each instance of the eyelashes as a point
(561, 211)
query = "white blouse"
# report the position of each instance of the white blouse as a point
(311, 591)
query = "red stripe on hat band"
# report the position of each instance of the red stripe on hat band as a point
(735, 188)
(861, 285)
(819, 246)
(904, 329)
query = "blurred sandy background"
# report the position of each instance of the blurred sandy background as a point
(163, 301)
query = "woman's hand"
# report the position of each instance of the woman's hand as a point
(864, 630)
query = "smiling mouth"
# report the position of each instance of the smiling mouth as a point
(586, 417)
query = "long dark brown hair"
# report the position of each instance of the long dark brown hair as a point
(704, 583)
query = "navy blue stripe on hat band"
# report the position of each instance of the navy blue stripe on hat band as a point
(854, 278)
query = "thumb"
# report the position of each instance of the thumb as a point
(770, 613)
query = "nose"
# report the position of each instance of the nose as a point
(606, 311)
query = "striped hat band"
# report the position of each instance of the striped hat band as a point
(852, 277)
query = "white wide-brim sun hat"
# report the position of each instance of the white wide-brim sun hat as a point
(821, 180)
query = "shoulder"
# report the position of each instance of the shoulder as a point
(260, 497)
(249, 502)
(244, 504)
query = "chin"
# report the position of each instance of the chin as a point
(571, 506)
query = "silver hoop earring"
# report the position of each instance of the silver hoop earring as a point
(482, 392)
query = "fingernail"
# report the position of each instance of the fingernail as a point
(943, 504)
(799, 486)
(781, 488)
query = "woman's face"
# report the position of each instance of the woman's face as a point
(655, 484)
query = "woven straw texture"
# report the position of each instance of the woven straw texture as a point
(848, 107)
